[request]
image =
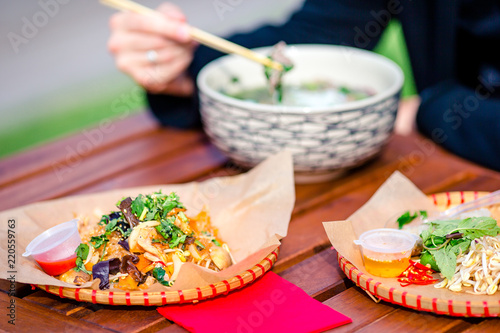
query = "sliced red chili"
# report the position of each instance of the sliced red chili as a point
(420, 266)
(416, 273)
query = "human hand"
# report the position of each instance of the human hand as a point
(137, 39)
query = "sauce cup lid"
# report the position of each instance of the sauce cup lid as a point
(386, 240)
(51, 238)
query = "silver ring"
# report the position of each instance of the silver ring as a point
(152, 56)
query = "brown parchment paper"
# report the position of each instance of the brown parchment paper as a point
(397, 195)
(251, 211)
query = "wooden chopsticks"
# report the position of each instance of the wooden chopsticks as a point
(198, 35)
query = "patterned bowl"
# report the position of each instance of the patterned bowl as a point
(324, 141)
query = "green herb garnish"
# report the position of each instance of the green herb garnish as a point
(200, 244)
(111, 226)
(268, 71)
(445, 240)
(407, 217)
(98, 241)
(345, 90)
(155, 206)
(171, 232)
(82, 252)
(159, 274)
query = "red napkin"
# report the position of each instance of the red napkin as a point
(271, 304)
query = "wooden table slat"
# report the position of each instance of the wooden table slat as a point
(410, 321)
(138, 152)
(485, 326)
(30, 317)
(66, 307)
(319, 276)
(166, 172)
(127, 319)
(103, 165)
(355, 305)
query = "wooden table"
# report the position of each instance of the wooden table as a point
(134, 151)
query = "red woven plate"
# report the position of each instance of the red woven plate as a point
(399, 296)
(166, 297)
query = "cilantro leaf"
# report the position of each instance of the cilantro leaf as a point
(82, 252)
(170, 202)
(407, 217)
(176, 239)
(152, 214)
(171, 232)
(104, 220)
(111, 226)
(138, 205)
(159, 274)
(98, 241)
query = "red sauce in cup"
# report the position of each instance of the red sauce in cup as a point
(58, 267)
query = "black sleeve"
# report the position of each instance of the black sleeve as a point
(464, 120)
(343, 22)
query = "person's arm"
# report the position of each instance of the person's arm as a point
(349, 23)
(464, 120)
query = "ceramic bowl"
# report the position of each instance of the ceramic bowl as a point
(324, 141)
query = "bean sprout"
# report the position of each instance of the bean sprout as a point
(479, 268)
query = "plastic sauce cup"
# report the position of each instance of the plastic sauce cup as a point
(54, 249)
(386, 252)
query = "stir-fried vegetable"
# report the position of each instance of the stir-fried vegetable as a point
(147, 241)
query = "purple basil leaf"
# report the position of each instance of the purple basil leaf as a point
(102, 269)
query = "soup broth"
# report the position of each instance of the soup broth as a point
(313, 94)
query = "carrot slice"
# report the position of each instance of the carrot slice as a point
(127, 283)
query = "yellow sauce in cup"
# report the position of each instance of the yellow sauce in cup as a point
(386, 268)
(386, 252)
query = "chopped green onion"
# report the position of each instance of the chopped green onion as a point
(183, 217)
(143, 214)
(197, 242)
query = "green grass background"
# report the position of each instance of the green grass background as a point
(71, 120)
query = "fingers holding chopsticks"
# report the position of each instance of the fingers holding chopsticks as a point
(168, 21)
(155, 50)
(157, 76)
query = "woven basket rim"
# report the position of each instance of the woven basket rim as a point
(417, 302)
(142, 298)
